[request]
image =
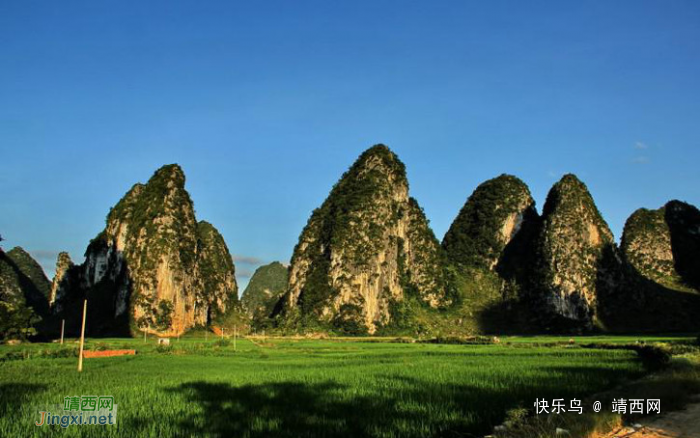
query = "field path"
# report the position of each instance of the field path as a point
(678, 424)
(248, 338)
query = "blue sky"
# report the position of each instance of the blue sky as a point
(265, 104)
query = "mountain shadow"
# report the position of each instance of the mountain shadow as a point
(657, 288)
(14, 395)
(683, 222)
(326, 409)
(104, 300)
(643, 305)
(399, 405)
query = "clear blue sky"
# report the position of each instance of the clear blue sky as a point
(265, 104)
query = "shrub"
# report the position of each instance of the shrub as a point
(463, 340)
(164, 349)
(45, 353)
(62, 352)
(14, 355)
(654, 357)
(403, 340)
(99, 346)
(349, 321)
(222, 343)
(516, 417)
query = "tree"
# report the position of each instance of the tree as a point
(147, 319)
(164, 315)
(155, 316)
(16, 319)
(234, 320)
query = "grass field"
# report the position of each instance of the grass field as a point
(313, 388)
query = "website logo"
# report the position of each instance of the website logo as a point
(85, 410)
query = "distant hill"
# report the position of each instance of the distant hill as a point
(24, 293)
(22, 276)
(264, 290)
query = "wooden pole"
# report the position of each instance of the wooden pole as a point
(222, 333)
(144, 334)
(82, 339)
(235, 332)
(63, 329)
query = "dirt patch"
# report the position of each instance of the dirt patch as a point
(678, 424)
(108, 353)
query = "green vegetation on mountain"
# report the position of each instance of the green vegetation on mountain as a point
(156, 314)
(41, 286)
(264, 290)
(372, 177)
(367, 262)
(220, 289)
(487, 223)
(364, 249)
(154, 266)
(24, 278)
(24, 293)
(489, 246)
(163, 213)
(149, 244)
(572, 251)
(646, 244)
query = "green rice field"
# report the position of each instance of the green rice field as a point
(304, 388)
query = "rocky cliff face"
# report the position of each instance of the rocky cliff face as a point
(220, 289)
(574, 252)
(664, 245)
(366, 247)
(646, 245)
(489, 221)
(154, 264)
(22, 280)
(264, 290)
(66, 278)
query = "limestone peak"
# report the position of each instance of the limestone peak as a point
(490, 218)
